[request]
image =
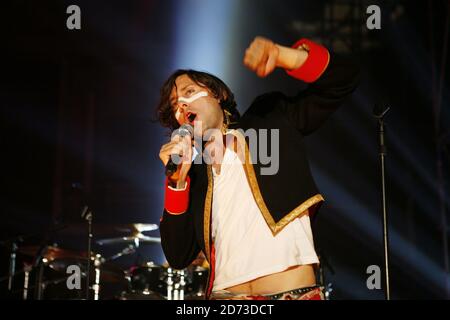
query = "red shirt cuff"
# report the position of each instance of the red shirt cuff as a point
(177, 201)
(315, 64)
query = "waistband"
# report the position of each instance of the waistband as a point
(294, 293)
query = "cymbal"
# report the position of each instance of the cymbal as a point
(51, 252)
(135, 235)
(107, 230)
(139, 239)
(137, 228)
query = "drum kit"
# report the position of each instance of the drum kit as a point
(52, 272)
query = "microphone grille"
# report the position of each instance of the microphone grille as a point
(186, 129)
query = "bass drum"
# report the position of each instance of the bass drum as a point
(154, 282)
(144, 295)
(196, 284)
(146, 282)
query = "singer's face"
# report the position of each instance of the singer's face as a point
(204, 111)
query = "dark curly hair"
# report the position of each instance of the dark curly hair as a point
(220, 90)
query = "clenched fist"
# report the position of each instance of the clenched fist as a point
(261, 56)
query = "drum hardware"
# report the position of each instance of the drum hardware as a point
(149, 281)
(39, 257)
(176, 283)
(27, 269)
(96, 285)
(51, 258)
(87, 215)
(58, 260)
(12, 265)
(44, 275)
(170, 284)
(40, 286)
(12, 243)
(128, 250)
(102, 274)
(180, 287)
(99, 261)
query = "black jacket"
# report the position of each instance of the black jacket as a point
(281, 197)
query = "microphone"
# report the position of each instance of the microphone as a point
(183, 131)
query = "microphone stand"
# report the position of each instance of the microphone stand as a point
(382, 152)
(87, 215)
(40, 262)
(327, 287)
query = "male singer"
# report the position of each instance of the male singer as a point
(253, 228)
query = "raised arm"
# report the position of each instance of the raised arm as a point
(331, 79)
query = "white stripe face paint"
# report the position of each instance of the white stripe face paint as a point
(194, 97)
(190, 100)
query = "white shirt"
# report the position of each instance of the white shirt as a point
(245, 248)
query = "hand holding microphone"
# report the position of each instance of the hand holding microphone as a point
(177, 154)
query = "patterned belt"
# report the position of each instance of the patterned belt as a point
(226, 295)
(276, 296)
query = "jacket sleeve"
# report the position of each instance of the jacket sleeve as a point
(309, 109)
(177, 228)
(331, 79)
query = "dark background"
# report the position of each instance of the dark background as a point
(77, 105)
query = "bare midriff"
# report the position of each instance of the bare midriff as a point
(289, 279)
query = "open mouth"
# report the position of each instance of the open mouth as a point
(191, 116)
